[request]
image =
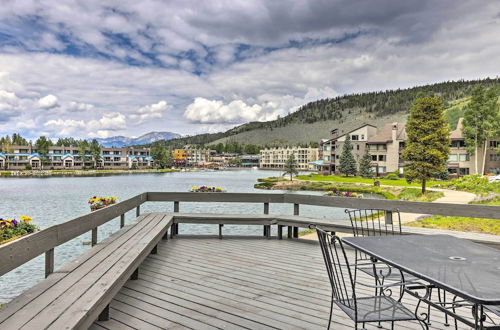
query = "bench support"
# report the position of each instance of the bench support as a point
(122, 220)
(155, 250)
(135, 274)
(94, 236)
(49, 262)
(104, 316)
(280, 232)
(220, 230)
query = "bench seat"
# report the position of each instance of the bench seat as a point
(78, 293)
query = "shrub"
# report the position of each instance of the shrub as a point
(392, 176)
(28, 167)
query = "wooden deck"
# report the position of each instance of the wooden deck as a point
(206, 283)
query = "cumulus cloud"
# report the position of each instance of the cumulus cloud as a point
(213, 111)
(48, 102)
(65, 127)
(9, 104)
(77, 107)
(101, 127)
(152, 111)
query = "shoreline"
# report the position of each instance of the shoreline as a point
(77, 173)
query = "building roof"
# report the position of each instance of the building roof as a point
(2, 155)
(35, 154)
(339, 136)
(385, 134)
(457, 133)
(67, 156)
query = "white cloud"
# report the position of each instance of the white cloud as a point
(109, 122)
(65, 127)
(212, 111)
(48, 102)
(75, 106)
(152, 111)
(101, 127)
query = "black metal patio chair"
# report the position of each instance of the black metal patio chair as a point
(361, 309)
(382, 222)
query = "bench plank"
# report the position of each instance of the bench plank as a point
(67, 282)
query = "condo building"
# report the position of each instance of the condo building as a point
(386, 145)
(275, 158)
(22, 157)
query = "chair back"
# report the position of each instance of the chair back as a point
(375, 222)
(337, 267)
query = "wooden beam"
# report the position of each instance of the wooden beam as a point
(122, 220)
(94, 236)
(49, 262)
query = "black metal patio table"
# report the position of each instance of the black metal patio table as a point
(468, 270)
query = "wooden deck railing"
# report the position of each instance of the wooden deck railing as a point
(20, 251)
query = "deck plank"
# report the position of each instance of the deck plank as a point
(239, 283)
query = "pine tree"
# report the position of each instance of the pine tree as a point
(481, 119)
(347, 162)
(365, 166)
(291, 166)
(42, 145)
(428, 142)
(95, 151)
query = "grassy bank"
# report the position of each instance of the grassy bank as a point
(476, 225)
(391, 193)
(471, 183)
(356, 179)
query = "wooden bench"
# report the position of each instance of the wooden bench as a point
(80, 292)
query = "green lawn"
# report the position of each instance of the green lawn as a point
(357, 179)
(476, 225)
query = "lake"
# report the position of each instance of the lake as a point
(53, 200)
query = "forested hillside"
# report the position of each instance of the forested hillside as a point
(314, 120)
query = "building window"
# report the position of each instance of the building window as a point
(458, 143)
(453, 158)
(381, 158)
(494, 144)
(402, 145)
(494, 157)
(362, 136)
(355, 137)
(382, 169)
(374, 158)
(357, 146)
(452, 170)
(401, 169)
(464, 171)
(464, 157)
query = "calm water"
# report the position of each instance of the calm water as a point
(50, 201)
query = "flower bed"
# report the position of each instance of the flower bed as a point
(97, 203)
(206, 189)
(11, 229)
(338, 193)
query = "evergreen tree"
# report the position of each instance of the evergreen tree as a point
(481, 120)
(95, 151)
(291, 166)
(428, 143)
(347, 164)
(83, 148)
(365, 166)
(161, 155)
(42, 145)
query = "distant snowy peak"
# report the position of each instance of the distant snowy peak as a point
(122, 141)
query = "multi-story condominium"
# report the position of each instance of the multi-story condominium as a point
(21, 157)
(197, 156)
(385, 148)
(275, 158)
(332, 148)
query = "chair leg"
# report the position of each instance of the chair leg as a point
(331, 310)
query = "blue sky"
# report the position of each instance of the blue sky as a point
(93, 68)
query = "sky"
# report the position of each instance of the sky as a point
(95, 68)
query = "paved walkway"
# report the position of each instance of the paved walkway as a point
(450, 196)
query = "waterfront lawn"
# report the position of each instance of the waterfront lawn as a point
(471, 183)
(414, 194)
(476, 225)
(358, 179)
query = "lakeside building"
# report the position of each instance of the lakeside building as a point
(275, 158)
(197, 156)
(386, 145)
(69, 158)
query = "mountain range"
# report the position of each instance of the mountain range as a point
(148, 138)
(314, 121)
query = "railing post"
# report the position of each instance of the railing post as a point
(94, 236)
(174, 229)
(388, 217)
(267, 228)
(138, 211)
(220, 230)
(49, 262)
(122, 220)
(293, 232)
